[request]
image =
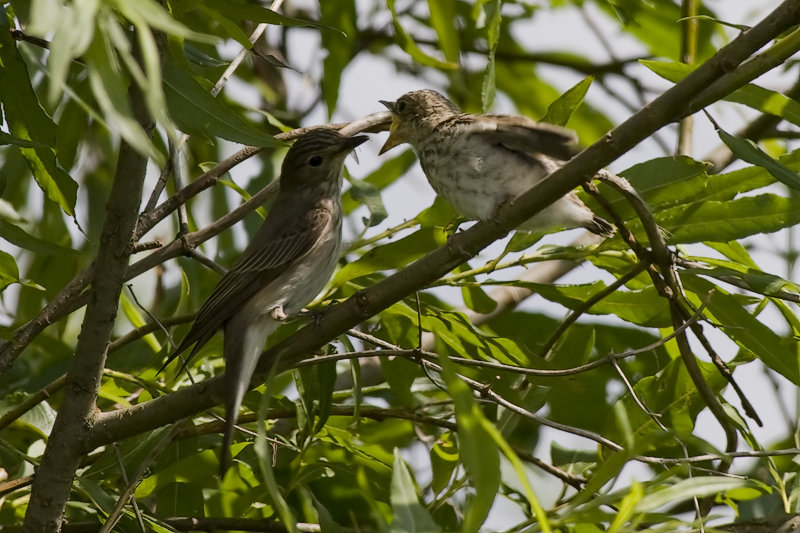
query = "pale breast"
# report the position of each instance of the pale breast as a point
(474, 175)
(294, 288)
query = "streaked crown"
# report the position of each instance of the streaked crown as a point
(424, 103)
(317, 157)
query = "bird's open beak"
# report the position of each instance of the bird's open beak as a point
(394, 139)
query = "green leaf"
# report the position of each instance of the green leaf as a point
(488, 86)
(751, 95)
(728, 220)
(408, 45)
(9, 272)
(340, 47)
(409, 515)
(109, 83)
(444, 460)
(19, 237)
(156, 16)
(369, 196)
(644, 307)
(196, 111)
(749, 151)
(443, 14)
(28, 122)
(478, 451)
(382, 177)
(5, 139)
(695, 487)
(316, 385)
(560, 111)
(248, 12)
(392, 255)
(777, 352)
(748, 278)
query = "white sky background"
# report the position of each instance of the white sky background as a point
(369, 79)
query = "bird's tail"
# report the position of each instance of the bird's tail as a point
(243, 345)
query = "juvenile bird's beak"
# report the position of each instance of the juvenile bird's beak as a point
(394, 138)
(388, 105)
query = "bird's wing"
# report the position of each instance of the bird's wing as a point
(276, 245)
(524, 135)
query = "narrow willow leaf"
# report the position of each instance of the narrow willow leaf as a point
(695, 487)
(478, 451)
(369, 196)
(28, 122)
(9, 271)
(19, 237)
(443, 16)
(748, 151)
(488, 86)
(444, 460)
(626, 507)
(109, 83)
(408, 45)
(159, 18)
(244, 11)
(409, 514)
(196, 111)
(392, 255)
(728, 220)
(560, 111)
(779, 353)
(751, 95)
(341, 46)
(644, 307)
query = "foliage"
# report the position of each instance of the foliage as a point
(443, 409)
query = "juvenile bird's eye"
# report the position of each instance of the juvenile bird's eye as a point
(315, 161)
(401, 106)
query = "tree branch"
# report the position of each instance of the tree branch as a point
(73, 424)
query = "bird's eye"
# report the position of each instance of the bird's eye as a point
(315, 161)
(401, 106)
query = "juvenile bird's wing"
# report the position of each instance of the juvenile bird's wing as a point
(524, 135)
(278, 243)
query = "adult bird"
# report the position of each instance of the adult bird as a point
(286, 264)
(480, 162)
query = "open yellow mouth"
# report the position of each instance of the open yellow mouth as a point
(394, 138)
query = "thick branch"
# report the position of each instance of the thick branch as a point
(53, 481)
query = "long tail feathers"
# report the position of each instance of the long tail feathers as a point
(244, 342)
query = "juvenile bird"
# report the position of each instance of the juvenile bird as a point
(286, 264)
(480, 162)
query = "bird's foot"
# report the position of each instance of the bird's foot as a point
(279, 314)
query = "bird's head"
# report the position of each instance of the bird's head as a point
(412, 115)
(316, 158)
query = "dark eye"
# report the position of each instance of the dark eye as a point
(401, 106)
(315, 161)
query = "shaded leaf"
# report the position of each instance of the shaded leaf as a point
(476, 448)
(777, 352)
(28, 122)
(197, 112)
(408, 45)
(560, 111)
(409, 515)
(749, 151)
